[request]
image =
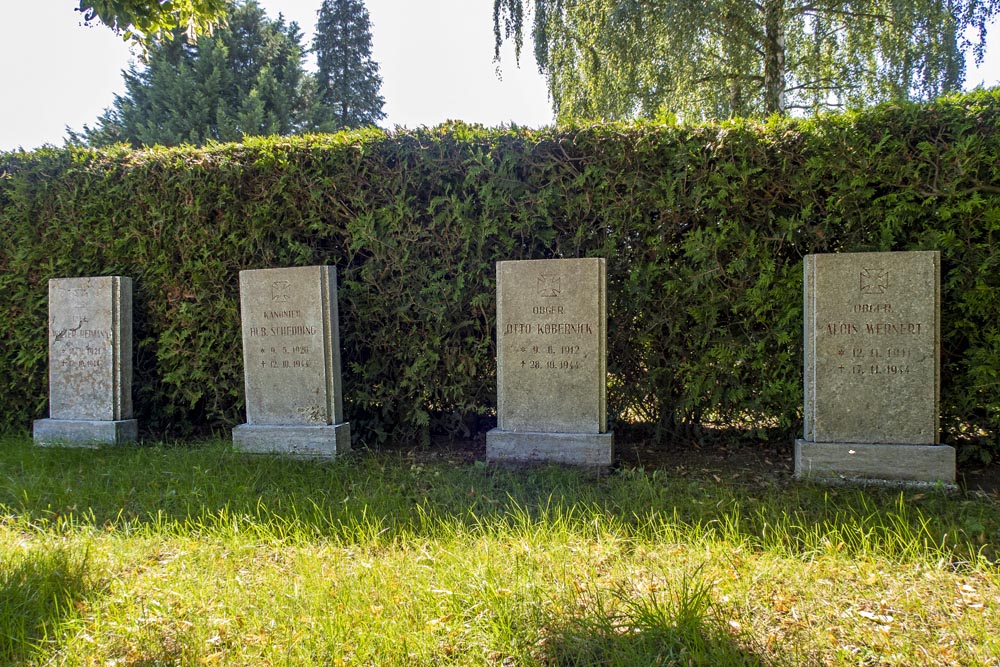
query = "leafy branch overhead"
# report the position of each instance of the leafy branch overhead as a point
(145, 21)
(616, 59)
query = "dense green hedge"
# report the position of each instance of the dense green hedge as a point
(704, 228)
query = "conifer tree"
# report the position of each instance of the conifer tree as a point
(347, 83)
(245, 79)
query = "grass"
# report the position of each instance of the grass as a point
(199, 555)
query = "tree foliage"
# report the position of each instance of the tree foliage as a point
(615, 59)
(146, 21)
(245, 79)
(347, 81)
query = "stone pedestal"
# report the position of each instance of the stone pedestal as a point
(291, 362)
(581, 449)
(854, 461)
(312, 442)
(871, 371)
(90, 363)
(551, 363)
(85, 432)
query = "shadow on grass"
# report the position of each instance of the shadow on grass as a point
(369, 497)
(38, 589)
(627, 628)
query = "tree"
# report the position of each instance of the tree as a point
(145, 21)
(616, 59)
(245, 79)
(347, 82)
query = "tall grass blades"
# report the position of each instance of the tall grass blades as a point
(641, 623)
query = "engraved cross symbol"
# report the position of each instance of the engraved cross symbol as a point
(549, 285)
(874, 281)
(279, 291)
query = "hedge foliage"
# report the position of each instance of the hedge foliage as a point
(703, 227)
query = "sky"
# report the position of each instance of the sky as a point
(436, 59)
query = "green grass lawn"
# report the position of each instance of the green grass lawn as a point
(199, 555)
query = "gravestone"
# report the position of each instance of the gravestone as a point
(551, 363)
(90, 363)
(871, 372)
(291, 363)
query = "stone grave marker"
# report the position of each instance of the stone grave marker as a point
(551, 363)
(291, 363)
(90, 363)
(871, 371)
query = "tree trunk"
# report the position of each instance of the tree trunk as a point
(955, 60)
(774, 57)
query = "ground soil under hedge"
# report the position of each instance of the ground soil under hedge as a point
(759, 463)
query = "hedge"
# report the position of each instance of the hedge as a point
(703, 226)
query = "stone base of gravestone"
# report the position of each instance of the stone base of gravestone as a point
(581, 449)
(85, 433)
(877, 461)
(307, 442)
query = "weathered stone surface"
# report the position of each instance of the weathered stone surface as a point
(872, 337)
(551, 358)
(580, 449)
(90, 363)
(852, 461)
(871, 371)
(313, 442)
(291, 355)
(291, 346)
(90, 348)
(551, 346)
(85, 433)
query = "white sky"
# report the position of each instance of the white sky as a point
(436, 59)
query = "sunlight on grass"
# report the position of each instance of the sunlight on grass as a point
(199, 555)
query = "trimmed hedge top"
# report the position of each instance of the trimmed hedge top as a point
(704, 228)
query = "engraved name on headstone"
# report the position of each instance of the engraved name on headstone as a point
(90, 362)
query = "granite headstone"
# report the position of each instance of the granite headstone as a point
(90, 363)
(871, 371)
(551, 363)
(291, 357)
